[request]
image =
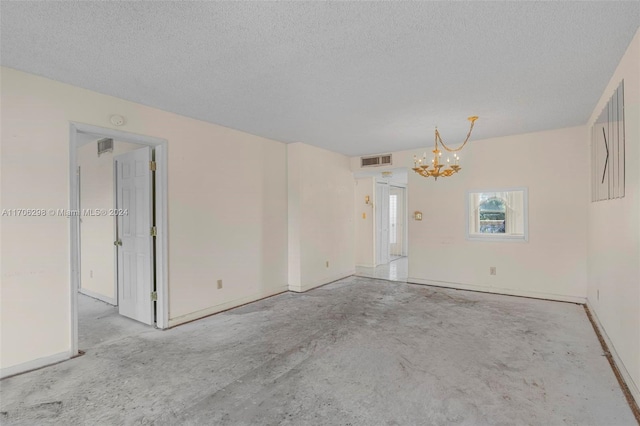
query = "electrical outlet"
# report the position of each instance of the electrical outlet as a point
(219, 284)
(492, 270)
(327, 263)
(91, 273)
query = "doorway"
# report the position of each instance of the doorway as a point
(382, 241)
(391, 217)
(382, 223)
(397, 222)
(118, 226)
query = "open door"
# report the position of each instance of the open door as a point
(134, 240)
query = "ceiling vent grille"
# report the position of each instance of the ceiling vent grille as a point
(105, 145)
(378, 160)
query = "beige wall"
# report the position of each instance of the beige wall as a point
(321, 206)
(227, 211)
(97, 233)
(552, 264)
(614, 234)
(365, 227)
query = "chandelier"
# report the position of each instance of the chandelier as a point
(421, 166)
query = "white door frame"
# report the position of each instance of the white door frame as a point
(161, 207)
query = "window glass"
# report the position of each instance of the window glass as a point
(492, 216)
(497, 214)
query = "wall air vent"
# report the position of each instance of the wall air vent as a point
(105, 145)
(378, 160)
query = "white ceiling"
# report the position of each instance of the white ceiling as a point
(352, 77)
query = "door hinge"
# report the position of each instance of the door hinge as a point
(154, 231)
(154, 296)
(152, 166)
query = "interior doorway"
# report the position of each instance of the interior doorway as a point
(118, 230)
(397, 221)
(382, 239)
(382, 223)
(391, 241)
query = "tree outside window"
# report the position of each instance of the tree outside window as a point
(492, 216)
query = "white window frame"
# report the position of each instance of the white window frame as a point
(469, 210)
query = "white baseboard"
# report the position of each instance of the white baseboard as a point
(368, 265)
(95, 295)
(225, 306)
(633, 387)
(498, 290)
(320, 282)
(34, 364)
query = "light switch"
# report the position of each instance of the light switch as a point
(364, 215)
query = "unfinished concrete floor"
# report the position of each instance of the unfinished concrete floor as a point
(99, 323)
(355, 352)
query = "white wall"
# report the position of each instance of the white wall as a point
(321, 206)
(97, 233)
(552, 264)
(364, 226)
(614, 235)
(227, 212)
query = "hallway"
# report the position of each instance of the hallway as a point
(396, 270)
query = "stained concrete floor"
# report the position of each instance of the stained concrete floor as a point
(355, 352)
(99, 323)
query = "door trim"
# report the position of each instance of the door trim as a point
(161, 206)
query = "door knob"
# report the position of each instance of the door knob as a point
(117, 243)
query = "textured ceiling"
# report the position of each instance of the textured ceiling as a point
(352, 77)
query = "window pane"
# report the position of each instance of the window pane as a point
(497, 214)
(492, 216)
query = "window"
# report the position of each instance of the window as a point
(495, 215)
(492, 215)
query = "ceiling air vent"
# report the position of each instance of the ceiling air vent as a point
(105, 145)
(378, 160)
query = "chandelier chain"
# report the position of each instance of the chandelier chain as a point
(473, 121)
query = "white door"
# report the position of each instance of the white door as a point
(382, 223)
(134, 200)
